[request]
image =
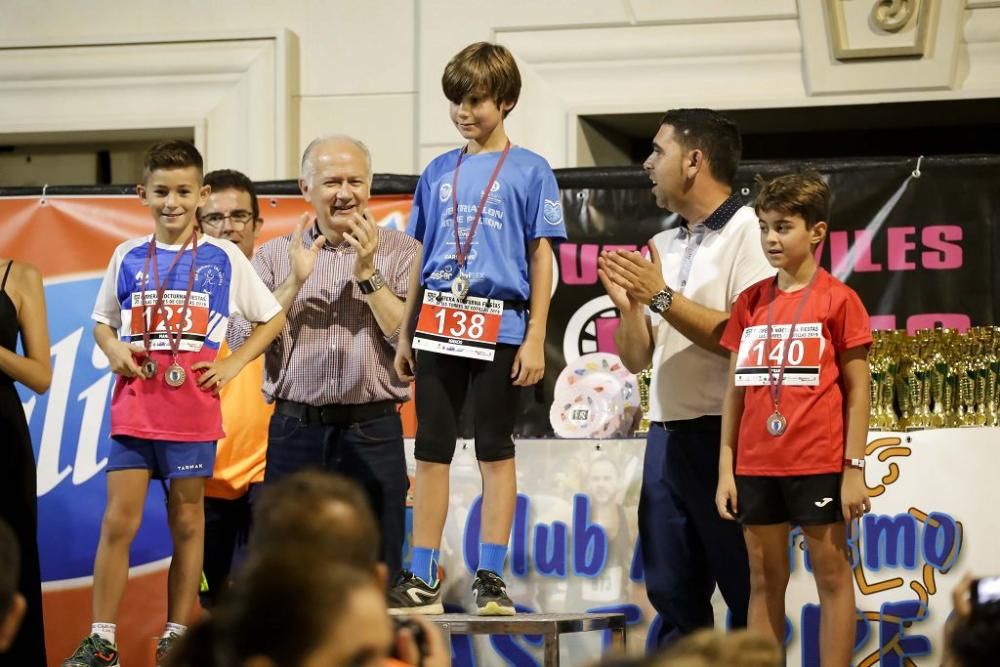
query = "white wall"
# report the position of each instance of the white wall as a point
(373, 68)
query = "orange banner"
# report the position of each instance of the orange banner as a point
(70, 239)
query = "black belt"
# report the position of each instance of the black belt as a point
(336, 414)
(705, 423)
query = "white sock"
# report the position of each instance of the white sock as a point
(105, 631)
(175, 628)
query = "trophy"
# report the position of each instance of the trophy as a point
(876, 375)
(938, 371)
(992, 378)
(966, 393)
(644, 378)
(937, 378)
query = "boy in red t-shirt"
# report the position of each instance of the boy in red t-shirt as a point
(795, 416)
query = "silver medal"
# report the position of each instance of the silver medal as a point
(148, 369)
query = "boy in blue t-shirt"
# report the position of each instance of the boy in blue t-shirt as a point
(485, 215)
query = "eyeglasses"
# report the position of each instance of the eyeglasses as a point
(237, 217)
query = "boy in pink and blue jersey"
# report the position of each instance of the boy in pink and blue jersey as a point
(161, 315)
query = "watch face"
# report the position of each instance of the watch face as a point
(659, 302)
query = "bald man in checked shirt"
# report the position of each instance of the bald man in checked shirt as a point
(342, 281)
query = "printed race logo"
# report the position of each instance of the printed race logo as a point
(444, 193)
(69, 429)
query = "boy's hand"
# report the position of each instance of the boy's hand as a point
(364, 238)
(405, 367)
(725, 498)
(529, 363)
(854, 500)
(121, 356)
(610, 278)
(217, 373)
(302, 259)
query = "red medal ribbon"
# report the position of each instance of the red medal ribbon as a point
(462, 252)
(160, 289)
(776, 386)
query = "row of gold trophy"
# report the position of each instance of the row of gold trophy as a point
(937, 378)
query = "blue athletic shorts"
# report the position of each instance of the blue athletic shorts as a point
(165, 459)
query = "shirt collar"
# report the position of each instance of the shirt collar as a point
(313, 231)
(721, 215)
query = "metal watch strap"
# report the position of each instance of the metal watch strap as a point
(373, 284)
(661, 301)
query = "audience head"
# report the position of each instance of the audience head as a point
(972, 636)
(293, 608)
(322, 512)
(712, 648)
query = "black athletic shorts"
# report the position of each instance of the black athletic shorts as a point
(804, 500)
(442, 384)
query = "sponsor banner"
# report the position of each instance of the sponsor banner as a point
(71, 240)
(573, 546)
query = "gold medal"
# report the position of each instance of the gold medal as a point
(175, 375)
(148, 369)
(460, 286)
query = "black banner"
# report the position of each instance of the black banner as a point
(917, 246)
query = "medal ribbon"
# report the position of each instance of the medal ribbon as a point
(160, 289)
(776, 386)
(462, 252)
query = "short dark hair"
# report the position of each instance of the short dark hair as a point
(174, 154)
(975, 639)
(318, 511)
(281, 605)
(10, 567)
(713, 134)
(482, 66)
(804, 194)
(230, 179)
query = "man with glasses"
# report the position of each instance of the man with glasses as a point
(232, 213)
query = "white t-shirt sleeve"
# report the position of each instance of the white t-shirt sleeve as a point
(248, 294)
(751, 265)
(108, 310)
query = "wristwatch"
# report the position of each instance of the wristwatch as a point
(661, 301)
(373, 284)
(854, 463)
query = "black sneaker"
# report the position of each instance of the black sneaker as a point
(491, 595)
(410, 595)
(164, 645)
(94, 651)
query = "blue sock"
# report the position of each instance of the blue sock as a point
(425, 564)
(491, 557)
